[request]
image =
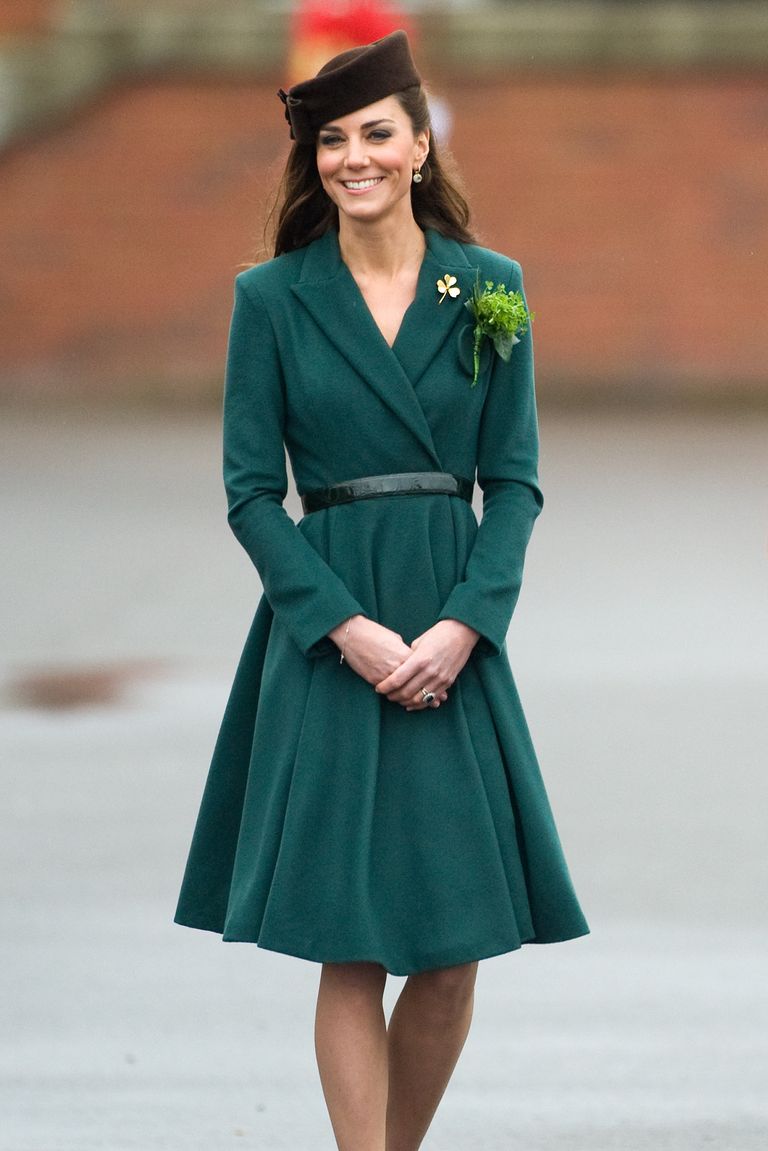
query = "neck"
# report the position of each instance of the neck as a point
(385, 248)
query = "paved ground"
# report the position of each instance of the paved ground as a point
(640, 649)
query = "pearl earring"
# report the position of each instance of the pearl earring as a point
(417, 177)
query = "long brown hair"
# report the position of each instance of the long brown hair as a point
(305, 212)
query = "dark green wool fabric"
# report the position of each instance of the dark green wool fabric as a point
(335, 825)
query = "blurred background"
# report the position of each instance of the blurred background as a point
(619, 150)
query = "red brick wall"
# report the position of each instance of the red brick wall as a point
(23, 16)
(638, 207)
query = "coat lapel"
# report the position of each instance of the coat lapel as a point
(328, 291)
(429, 324)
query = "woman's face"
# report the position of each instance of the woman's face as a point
(366, 160)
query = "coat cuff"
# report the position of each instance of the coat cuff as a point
(463, 606)
(311, 634)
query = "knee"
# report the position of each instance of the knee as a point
(354, 979)
(446, 991)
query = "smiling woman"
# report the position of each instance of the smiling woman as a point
(366, 162)
(306, 210)
(374, 803)
(374, 149)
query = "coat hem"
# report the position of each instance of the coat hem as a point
(450, 959)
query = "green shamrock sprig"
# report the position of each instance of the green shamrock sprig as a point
(501, 314)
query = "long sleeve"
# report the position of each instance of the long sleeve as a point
(507, 465)
(302, 590)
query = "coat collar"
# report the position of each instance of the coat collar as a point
(328, 291)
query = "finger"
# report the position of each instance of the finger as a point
(411, 692)
(403, 694)
(395, 680)
(421, 677)
(422, 706)
(419, 703)
(409, 669)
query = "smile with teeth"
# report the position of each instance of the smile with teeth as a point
(359, 185)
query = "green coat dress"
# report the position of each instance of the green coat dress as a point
(335, 825)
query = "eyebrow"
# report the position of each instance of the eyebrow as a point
(368, 124)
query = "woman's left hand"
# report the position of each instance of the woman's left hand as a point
(437, 656)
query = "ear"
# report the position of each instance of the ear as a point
(422, 147)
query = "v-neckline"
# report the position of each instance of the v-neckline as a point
(329, 293)
(391, 347)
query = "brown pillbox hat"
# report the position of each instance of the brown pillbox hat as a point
(349, 81)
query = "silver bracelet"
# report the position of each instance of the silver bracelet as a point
(344, 641)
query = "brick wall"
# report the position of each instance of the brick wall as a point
(637, 205)
(19, 17)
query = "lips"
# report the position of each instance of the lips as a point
(362, 185)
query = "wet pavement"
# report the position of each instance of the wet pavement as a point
(640, 649)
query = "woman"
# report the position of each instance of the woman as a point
(374, 802)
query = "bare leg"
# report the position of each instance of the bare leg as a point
(351, 1048)
(427, 1031)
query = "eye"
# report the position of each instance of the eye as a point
(380, 134)
(328, 141)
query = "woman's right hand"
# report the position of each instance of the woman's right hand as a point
(369, 647)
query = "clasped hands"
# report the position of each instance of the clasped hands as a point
(399, 670)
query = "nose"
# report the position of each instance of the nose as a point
(357, 154)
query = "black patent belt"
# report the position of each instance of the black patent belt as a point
(395, 484)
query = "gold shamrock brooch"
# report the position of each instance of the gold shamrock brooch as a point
(449, 287)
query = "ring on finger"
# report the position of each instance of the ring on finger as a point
(428, 695)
